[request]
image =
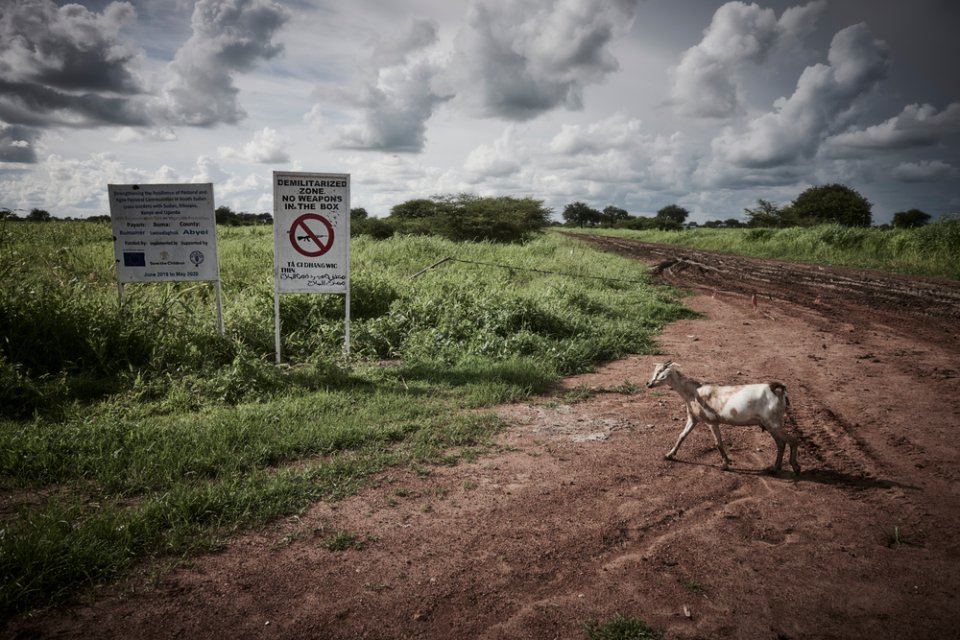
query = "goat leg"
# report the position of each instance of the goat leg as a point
(691, 423)
(715, 428)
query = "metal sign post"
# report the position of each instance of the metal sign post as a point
(311, 239)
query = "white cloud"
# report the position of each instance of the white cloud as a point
(916, 126)
(825, 95)
(925, 171)
(616, 132)
(140, 134)
(394, 46)
(504, 157)
(519, 59)
(396, 97)
(394, 109)
(267, 147)
(229, 37)
(707, 81)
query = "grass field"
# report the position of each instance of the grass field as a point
(933, 250)
(137, 431)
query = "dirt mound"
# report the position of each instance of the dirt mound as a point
(577, 516)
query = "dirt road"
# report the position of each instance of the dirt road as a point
(577, 516)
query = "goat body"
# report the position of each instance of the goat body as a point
(764, 405)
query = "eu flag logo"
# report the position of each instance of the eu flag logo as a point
(134, 259)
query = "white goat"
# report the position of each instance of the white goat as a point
(743, 405)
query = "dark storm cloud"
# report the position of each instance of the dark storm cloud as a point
(66, 65)
(39, 106)
(17, 143)
(916, 126)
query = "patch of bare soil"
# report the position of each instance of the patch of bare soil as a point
(577, 516)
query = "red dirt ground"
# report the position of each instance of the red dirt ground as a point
(577, 516)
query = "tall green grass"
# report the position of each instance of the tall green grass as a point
(137, 431)
(932, 250)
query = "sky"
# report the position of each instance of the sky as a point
(632, 103)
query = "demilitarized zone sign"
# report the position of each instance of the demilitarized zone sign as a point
(311, 239)
(311, 225)
(164, 232)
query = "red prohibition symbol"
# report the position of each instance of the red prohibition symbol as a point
(309, 242)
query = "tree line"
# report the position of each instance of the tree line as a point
(832, 203)
(469, 217)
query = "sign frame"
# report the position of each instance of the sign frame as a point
(311, 239)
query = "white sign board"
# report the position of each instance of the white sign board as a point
(164, 232)
(311, 226)
(311, 239)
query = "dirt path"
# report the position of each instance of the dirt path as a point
(577, 516)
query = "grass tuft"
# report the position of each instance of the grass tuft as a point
(620, 627)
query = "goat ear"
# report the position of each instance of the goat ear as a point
(667, 363)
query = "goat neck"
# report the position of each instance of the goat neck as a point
(686, 387)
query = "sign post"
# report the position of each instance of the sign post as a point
(164, 233)
(311, 239)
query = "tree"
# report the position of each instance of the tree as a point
(671, 218)
(766, 214)
(911, 219)
(418, 208)
(468, 217)
(835, 203)
(612, 215)
(673, 213)
(358, 213)
(224, 215)
(580, 214)
(39, 215)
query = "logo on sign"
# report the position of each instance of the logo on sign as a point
(311, 235)
(196, 258)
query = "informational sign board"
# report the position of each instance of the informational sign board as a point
(164, 232)
(311, 238)
(311, 224)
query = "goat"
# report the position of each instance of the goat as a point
(743, 405)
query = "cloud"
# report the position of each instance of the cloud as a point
(267, 147)
(925, 171)
(916, 126)
(229, 37)
(616, 132)
(67, 65)
(518, 60)
(140, 134)
(18, 143)
(393, 47)
(825, 94)
(397, 97)
(706, 82)
(504, 157)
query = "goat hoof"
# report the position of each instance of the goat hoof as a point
(725, 467)
(669, 456)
